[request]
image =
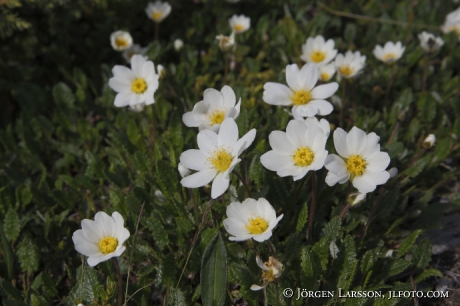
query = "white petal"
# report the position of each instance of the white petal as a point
(94, 260)
(228, 133)
(257, 287)
(356, 140)
(295, 131)
(262, 237)
(83, 246)
(120, 84)
(363, 184)
(235, 227)
(198, 179)
(229, 96)
(324, 107)
(244, 142)
(280, 143)
(137, 61)
(378, 161)
(292, 77)
(290, 171)
(308, 76)
(189, 120)
(122, 99)
(207, 141)
(220, 185)
(92, 231)
(324, 91)
(340, 142)
(332, 179)
(194, 160)
(274, 161)
(336, 165)
(123, 72)
(372, 144)
(107, 224)
(213, 97)
(261, 264)
(305, 110)
(277, 94)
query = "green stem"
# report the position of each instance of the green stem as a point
(312, 207)
(120, 285)
(374, 207)
(131, 252)
(390, 84)
(346, 205)
(244, 183)
(343, 102)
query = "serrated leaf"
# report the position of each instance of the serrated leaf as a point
(86, 289)
(427, 107)
(28, 256)
(158, 232)
(417, 167)
(177, 298)
(302, 218)
(11, 225)
(10, 290)
(214, 273)
(142, 161)
(398, 266)
(368, 261)
(408, 242)
(428, 273)
(332, 228)
(63, 95)
(421, 255)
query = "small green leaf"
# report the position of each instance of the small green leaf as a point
(12, 225)
(214, 273)
(408, 242)
(63, 95)
(332, 228)
(398, 266)
(302, 218)
(428, 273)
(421, 255)
(28, 255)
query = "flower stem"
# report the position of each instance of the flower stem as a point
(157, 30)
(416, 158)
(346, 205)
(368, 222)
(225, 67)
(131, 252)
(265, 297)
(393, 133)
(244, 183)
(154, 128)
(272, 248)
(312, 207)
(425, 73)
(195, 238)
(120, 285)
(390, 84)
(343, 101)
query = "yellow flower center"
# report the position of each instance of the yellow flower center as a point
(221, 159)
(389, 57)
(139, 85)
(356, 165)
(268, 276)
(257, 225)
(121, 42)
(108, 245)
(301, 97)
(303, 157)
(216, 117)
(455, 29)
(317, 56)
(238, 27)
(156, 15)
(346, 70)
(324, 76)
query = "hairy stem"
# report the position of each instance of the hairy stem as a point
(312, 207)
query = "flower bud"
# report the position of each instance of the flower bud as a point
(161, 71)
(182, 170)
(393, 172)
(178, 44)
(356, 198)
(429, 141)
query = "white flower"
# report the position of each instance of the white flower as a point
(429, 141)
(134, 86)
(429, 42)
(213, 109)
(390, 53)
(317, 50)
(135, 49)
(239, 24)
(183, 171)
(271, 270)
(121, 40)
(452, 23)
(297, 151)
(360, 160)
(251, 219)
(326, 72)
(307, 99)
(158, 11)
(349, 65)
(323, 124)
(356, 198)
(102, 238)
(216, 157)
(393, 172)
(178, 44)
(161, 71)
(226, 42)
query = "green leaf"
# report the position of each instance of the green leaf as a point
(10, 290)
(12, 225)
(63, 95)
(28, 255)
(368, 261)
(398, 266)
(428, 273)
(7, 253)
(427, 107)
(158, 232)
(408, 242)
(421, 255)
(302, 218)
(214, 273)
(177, 298)
(332, 228)
(86, 290)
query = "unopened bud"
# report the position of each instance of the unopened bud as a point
(183, 171)
(429, 141)
(356, 198)
(393, 172)
(161, 71)
(178, 44)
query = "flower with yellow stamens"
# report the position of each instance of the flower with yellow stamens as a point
(213, 109)
(271, 271)
(360, 160)
(158, 11)
(239, 24)
(326, 72)
(217, 156)
(298, 150)
(306, 98)
(350, 64)
(251, 219)
(121, 40)
(102, 238)
(429, 42)
(390, 52)
(136, 86)
(318, 51)
(452, 23)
